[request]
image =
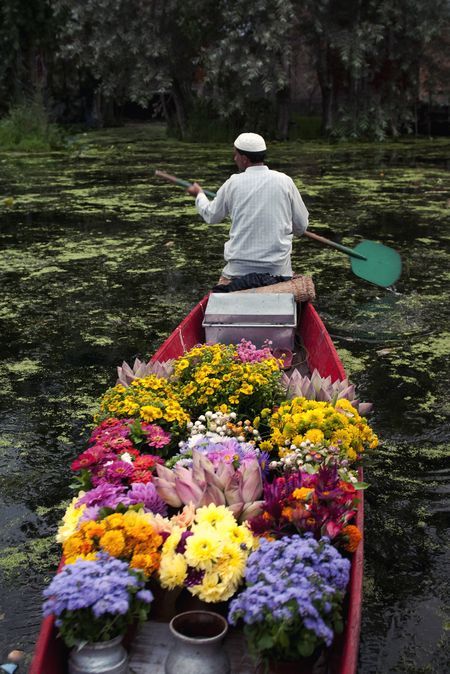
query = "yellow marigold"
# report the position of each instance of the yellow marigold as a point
(150, 413)
(302, 494)
(288, 513)
(73, 547)
(92, 529)
(113, 542)
(266, 446)
(314, 435)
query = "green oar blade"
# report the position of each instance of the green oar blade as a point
(382, 265)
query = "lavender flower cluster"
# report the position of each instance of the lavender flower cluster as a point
(110, 495)
(296, 581)
(97, 592)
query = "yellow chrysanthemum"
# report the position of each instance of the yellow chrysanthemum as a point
(216, 516)
(203, 548)
(172, 541)
(172, 570)
(70, 520)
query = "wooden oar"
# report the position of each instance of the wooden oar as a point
(371, 261)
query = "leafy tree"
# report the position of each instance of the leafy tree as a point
(26, 48)
(368, 55)
(137, 49)
(247, 69)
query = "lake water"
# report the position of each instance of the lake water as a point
(99, 262)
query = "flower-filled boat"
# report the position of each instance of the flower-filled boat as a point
(214, 472)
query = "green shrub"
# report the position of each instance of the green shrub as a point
(27, 128)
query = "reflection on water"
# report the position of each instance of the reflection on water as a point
(99, 263)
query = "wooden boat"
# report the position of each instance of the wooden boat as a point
(50, 656)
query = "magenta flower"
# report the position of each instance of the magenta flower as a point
(155, 435)
(117, 471)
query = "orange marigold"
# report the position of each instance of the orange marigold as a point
(352, 535)
(113, 542)
(148, 563)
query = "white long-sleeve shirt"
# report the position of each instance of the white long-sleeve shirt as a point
(266, 210)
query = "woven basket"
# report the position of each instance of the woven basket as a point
(302, 287)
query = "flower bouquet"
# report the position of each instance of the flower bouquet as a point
(320, 504)
(96, 600)
(320, 423)
(151, 399)
(215, 376)
(292, 602)
(128, 536)
(209, 556)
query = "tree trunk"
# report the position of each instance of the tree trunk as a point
(326, 86)
(180, 108)
(283, 113)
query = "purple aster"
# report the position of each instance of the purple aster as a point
(103, 588)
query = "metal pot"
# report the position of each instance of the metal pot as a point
(102, 657)
(198, 645)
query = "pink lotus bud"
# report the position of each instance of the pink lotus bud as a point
(200, 463)
(167, 491)
(251, 481)
(188, 491)
(213, 495)
(164, 473)
(233, 491)
(236, 509)
(224, 473)
(251, 510)
(364, 408)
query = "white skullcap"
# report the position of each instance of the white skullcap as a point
(250, 142)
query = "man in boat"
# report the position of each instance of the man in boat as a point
(266, 210)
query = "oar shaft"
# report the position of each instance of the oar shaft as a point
(333, 244)
(180, 182)
(311, 235)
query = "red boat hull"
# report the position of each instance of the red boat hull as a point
(50, 655)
